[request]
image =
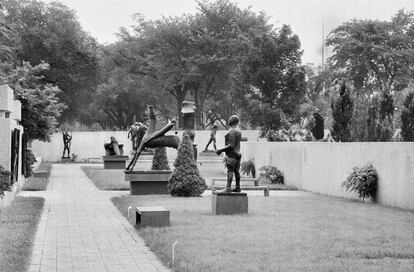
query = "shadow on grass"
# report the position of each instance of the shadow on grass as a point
(18, 224)
(106, 179)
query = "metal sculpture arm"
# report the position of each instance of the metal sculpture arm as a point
(155, 138)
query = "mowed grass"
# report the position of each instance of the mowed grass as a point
(106, 179)
(18, 223)
(38, 184)
(285, 233)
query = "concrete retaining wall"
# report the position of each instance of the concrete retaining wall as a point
(322, 167)
(90, 144)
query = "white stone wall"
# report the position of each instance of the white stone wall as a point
(323, 167)
(10, 115)
(90, 144)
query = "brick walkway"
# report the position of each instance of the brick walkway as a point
(81, 230)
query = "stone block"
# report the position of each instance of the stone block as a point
(230, 203)
(148, 182)
(65, 160)
(115, 162)
(17, 110)
(156, 216)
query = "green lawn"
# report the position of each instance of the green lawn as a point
(18, 223)
(106, 179)
(285, 233)
(38, 184)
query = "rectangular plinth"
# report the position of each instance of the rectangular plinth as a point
(148, 182)
(65, 160)
(151, 216)
(114, 162)
(230, 203)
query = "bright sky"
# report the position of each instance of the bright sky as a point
(103, 18)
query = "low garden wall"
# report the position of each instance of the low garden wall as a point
(323, 167)
(89, 144)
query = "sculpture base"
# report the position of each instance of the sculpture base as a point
(153, 182)
(65, 160)
(230, 203)
(149, 216)
(114, 162)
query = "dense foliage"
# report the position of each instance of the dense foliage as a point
(363, 181)
(342, 110)
(248, 168)
(185, 180)
(160, 159)
(407, 118)
(5, 181)
(271, 174)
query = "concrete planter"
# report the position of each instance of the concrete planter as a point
(153, 182)
(115, 161)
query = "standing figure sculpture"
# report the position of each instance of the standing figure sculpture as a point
(212, 138)
(67, 143)
(132, 134)
(155, 138)
(233, 156)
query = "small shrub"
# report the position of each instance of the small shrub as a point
(363, 181)
(160, 159)
(271, 174)
(185, 180)
(30, 160)
(5, 181)
(248, 168)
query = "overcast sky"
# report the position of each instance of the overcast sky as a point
(103, 18)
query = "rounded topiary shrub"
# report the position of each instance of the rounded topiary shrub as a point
(160, 159)
(185, 180)
(363, 181)
(5, 181)
(271, 174)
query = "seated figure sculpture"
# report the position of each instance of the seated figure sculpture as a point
(113, 147)
(155, 138)
(233, 156)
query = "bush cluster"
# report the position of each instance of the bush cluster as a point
(363, 181)
(271, 174)
(5, 181)
(185, 180)
(248, 168)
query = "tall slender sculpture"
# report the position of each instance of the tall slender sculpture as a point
(188, 111)
(155, 138)
(67, 143)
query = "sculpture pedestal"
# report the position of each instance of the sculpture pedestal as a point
(149, 216)
(114, 162)
(152, 182)
(65, 160)
(230, 203)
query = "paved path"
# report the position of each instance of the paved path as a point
(81, 230)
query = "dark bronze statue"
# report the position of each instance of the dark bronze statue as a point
(233, 156)
(113, 147)
(212, 138)
(155, 138)
(67, 143)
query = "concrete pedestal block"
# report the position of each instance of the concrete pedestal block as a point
(152, 182)
(65, 160)
(149, 216)
(114, 162)
(230, 203)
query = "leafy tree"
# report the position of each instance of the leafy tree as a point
(407, 119)
(51, 33)
(185, 180)
(40, 104)
(375, 55)
(342, 110)
(5, 48)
